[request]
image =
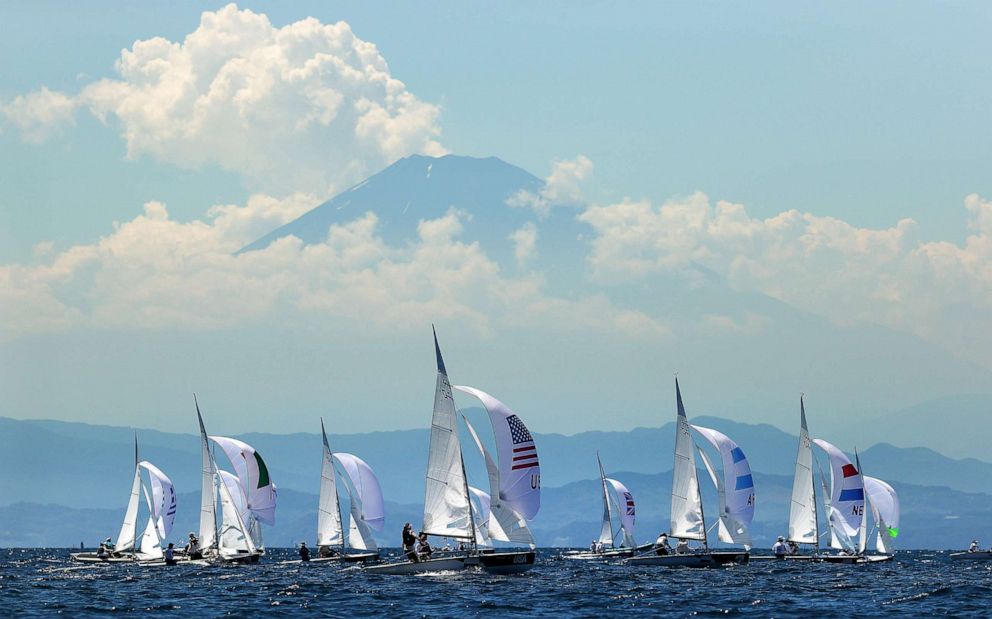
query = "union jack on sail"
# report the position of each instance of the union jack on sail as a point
(524, 450)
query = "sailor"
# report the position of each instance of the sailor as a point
(425, 546)
(793, 548)
(193, 547)
(101, 552)
(682, 547)
(325, 551)
(974, 546)
(662, 545)
(170, 555)
(304, 552)
(410, 543)
(780, 549)
(592, 546)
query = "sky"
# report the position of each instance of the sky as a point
(831, 159)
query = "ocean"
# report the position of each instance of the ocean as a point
(43, 582)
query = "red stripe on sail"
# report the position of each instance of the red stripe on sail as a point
(525, 457)
(524, 465)
(530, 448)
(849, 470)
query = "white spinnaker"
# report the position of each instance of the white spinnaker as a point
(208, 490)
(126, 538)
(482, 515)
(847, 497)
(625, 508)
(163, 499)
(366, 485)
(737, 490)
(803, 527)
(505, 525)
(885, 510)
(151, 543)
(253, 475)
(687, 506)
(519, 468)
(329, 532)
(606, 531)
(447, 511)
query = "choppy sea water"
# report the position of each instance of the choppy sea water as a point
(44, 582)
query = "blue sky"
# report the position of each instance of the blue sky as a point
(854, 118)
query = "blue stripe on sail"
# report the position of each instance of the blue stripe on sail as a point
(744, 482)
(737, 455)
(852, 494)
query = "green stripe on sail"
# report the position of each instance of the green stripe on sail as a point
(893, 532)
(263, 473)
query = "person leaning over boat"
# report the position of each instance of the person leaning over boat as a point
(410, 543)
(974, 546)
(780, 549)
(682, 548)
(662, 546)
(425, 550)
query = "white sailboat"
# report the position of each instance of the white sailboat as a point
(160, 505)
(448, 509)
(618, 501)
(687, 519)
(366, 509)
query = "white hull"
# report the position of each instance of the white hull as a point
(703, 559)
(855, 559)
(91, 557)
(349, 558)
(982, 555)
(785, 558)
(447, 564)
(588, 555)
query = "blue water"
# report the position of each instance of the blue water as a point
(44, 582)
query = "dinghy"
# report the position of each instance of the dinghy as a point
(687, 520)
(365, 513)
(161, 506)
(620, 502)
(448, 509)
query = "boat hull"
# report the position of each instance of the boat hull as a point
(445, 564)
(507, 562)
(855, 559)
(785, 558)
(984, 555)
(91, 557)
(697, 560)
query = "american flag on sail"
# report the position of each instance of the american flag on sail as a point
(524, 450)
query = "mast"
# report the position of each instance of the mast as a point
(468, 497)
(816, 514)
(337, 499)
(607, 511)
(137, 471)
(210, 479)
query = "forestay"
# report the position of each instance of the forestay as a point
(847, 497)
(687, 506)
(885, 510)
(736, 491)
(626, 509)
(802, 512)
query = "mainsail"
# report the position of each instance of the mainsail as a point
(127, 537)
(803, 527)
(847, 498)
(606, 531)
(208, 489)
(687, 505)
(736, 489)
(328, 509)
(447, 511)
(885, 510)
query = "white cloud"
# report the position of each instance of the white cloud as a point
(563, 187)
(304, 107)
(40, 115)
(524, 243)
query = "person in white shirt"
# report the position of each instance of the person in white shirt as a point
(682, 547)
(780, 549)
(974, 546)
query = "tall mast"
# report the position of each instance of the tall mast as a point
(337, 497)
(137, 471)
(812, 482)
(606, 498)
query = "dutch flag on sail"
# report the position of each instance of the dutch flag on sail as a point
(524, 450)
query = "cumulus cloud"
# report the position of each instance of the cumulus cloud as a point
(524, 243)
(563, 187)
(303, 107)
(40, 115)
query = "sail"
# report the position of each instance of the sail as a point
(802, 512)
(687, 506)
(234, 538)
(519, 469)
(505, 525)
(446, 503)
(367, 490)
(329, 531)
(163, 499)
(482, 515)
(885, 510)
(847, 497)
(737, 489)
(208, 489)
(150, 546)
(236, 491)
(625, 505)
(126, 538)
(253, 475)
(606, 531)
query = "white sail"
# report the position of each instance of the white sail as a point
(625, 508)
(863, 527)
(736, 490)
(253, 475)
(150, 546)
(163, 499)
(847, 498)
(803, 527)
(447, 511)
(234, 538)
(365, 497)
(606, 531)
(126, 538)
(687, 506)
(329, 531)
(505, 524)
(885, 510)
(519, 468)
(208, 489)
(482, 515)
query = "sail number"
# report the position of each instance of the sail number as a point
(535, 481)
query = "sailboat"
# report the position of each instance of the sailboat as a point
(687, 519)
(617, 500)
(803, 519)
(448, 509)
(225, 536)
(161, 506)
(366, 509)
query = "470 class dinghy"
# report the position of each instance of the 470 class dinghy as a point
(618, 500)
(448, 512)
(736, 492)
